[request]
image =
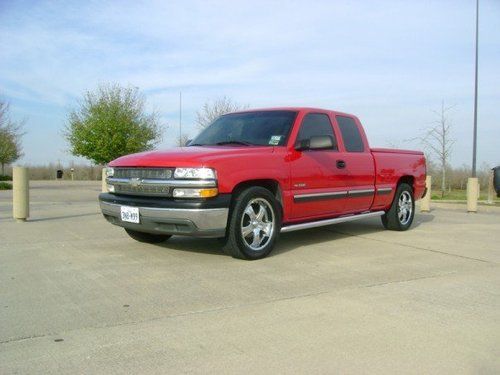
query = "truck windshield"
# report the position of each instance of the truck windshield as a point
(260, 128)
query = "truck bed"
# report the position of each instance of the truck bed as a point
(389, 169)
(395, 151)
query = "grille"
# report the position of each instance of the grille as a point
(143, 190)
(143, 173)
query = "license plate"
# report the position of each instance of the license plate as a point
(130, 214)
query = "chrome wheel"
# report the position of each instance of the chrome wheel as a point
(405, 207)
(257, 224)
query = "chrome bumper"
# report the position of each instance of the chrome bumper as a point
(204, 222)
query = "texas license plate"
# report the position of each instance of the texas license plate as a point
(130, 214)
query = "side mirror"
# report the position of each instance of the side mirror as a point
(302, 145)
(318, 142)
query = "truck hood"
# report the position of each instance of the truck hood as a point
(194, 156)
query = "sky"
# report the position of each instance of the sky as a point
(391, 63)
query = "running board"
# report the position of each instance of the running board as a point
(320, 223)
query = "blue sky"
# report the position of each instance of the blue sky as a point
(389, 62)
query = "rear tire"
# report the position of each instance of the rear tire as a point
(254, 224)
(147, 237)
(402, 211)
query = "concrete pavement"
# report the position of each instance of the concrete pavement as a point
(78, 296)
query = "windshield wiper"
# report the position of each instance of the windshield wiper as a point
(234, 143)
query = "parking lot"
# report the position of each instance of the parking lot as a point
(77, 295)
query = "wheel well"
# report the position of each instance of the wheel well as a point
(410, 180)
(272, 185)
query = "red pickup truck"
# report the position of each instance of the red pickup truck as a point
(252, 175)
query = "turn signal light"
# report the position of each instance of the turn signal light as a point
(195, 193)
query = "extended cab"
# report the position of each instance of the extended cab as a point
(251, 175)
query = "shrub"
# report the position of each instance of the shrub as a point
(4, 177)
(5, 186)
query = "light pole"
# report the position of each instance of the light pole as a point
(474, 144)
(180, 118)
(472, 183)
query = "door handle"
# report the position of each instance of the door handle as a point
(340, 164)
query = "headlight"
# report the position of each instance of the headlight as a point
(195, 193)
(204, 173)
(110, 172)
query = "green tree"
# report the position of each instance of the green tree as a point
(111, 122)
(10, 137)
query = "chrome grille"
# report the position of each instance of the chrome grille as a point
(151, 182)
(143, 190)
(146, 173)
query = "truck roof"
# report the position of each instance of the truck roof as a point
(298, 109)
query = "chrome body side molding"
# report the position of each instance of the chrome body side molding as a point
(361, 192)
(384, 191)
(319, 196)
(333, 195)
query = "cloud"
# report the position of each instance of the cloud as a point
(389, 63)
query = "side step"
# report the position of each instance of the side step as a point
(320, 223)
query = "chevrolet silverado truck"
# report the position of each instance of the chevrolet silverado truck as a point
(252, 175)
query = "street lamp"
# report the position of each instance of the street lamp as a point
(472, 183)
(180, 118)
(474, 144)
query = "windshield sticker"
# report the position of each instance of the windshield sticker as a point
(275, 140)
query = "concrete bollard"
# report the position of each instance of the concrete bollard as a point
(425, 203)
(104, 185)
(20, 196)
(491, 188)
(472, 194)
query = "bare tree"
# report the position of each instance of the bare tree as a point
(458, 177)
(211, 110)
(182, 141)
(438, 141)
(10, 137)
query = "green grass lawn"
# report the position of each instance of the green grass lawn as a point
(458, 195)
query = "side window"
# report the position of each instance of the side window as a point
(350, 134)
(315, 124)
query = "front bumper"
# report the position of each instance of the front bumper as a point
(198, 218)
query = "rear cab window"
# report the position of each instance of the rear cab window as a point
(353, 141)
(315, 124)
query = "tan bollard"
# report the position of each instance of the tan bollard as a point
(472, 194)
(491, 188)
(20, 197)
(425, 203)
(104, 185)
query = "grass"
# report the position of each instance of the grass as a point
(5, 186)
(458, 195)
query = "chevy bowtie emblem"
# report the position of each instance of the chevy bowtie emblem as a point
(135, 182)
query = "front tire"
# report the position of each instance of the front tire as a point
(402, 211)
(147, 237)
(254, 224)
